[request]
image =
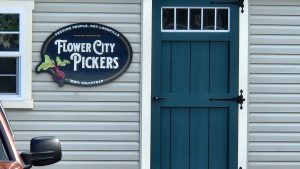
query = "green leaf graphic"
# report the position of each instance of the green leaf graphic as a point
(61, 63)
(48, 63)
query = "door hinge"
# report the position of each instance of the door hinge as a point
(239, 99)
(239, 3)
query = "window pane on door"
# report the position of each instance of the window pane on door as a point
(9, 22)
(181, 19)
(195, 19)
(8, 65)
(8, 84)
(208, 19)
(9, 42)
(168, 18)
(222, 19)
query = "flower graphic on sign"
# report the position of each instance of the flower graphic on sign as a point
(52, 67)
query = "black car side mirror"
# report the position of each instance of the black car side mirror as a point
(43, 151)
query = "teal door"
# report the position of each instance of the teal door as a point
(195, 59)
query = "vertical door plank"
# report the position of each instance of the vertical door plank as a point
(218, 138)
(180, 138)
(199, 138)
(165, 137)
(199, 67)
(232, 136)
(166, 67)
(219, 62)
(180, 67)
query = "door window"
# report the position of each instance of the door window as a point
(195, 19)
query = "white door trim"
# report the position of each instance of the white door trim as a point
(145, 117)
(243, 84)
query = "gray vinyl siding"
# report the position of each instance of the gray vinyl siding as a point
(274, 119)
(98, 126)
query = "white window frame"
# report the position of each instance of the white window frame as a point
(15, 54)
(23, 99)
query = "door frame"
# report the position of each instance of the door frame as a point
(145, 106)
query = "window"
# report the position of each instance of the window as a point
(195, 19)
(10, 54)
(16, 53)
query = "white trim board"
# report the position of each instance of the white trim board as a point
(243, 84)
(145, 115)
(145, 130)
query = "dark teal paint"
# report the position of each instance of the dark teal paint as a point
(188, 130)
(199, 138)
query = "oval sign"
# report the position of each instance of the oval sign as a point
(85, 54)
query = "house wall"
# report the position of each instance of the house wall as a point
(98, 126)
(274, 118)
